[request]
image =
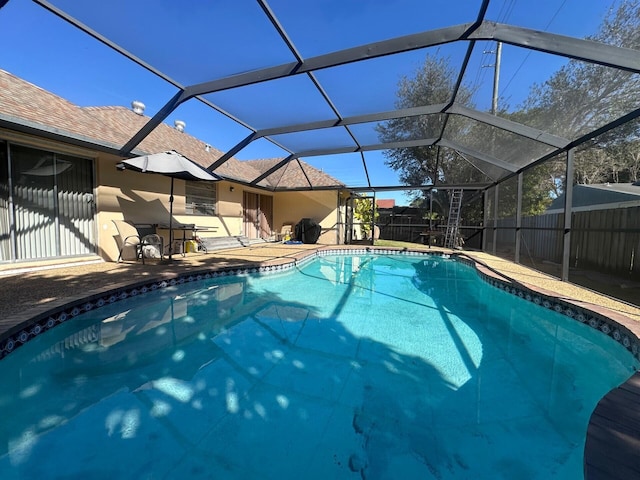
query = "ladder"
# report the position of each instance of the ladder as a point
(453, 222)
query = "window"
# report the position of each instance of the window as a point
(201, 198)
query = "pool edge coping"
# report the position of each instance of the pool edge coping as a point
(37, 320)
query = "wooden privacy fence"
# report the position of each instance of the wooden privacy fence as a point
(603, 240)
(541, 237)
(607, 240)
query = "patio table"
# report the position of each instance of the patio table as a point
(426, 236)
(179, 244)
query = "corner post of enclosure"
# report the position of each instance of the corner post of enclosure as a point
(568, 201)
(495, 218)
(373, 219)
(338, 217)
(519, 217)
(430, 210)
(348, 220)
(485, 221)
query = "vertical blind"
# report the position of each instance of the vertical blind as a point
(46, 204)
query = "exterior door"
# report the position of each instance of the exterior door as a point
(250, 214)
(266, 216)
(258, 215)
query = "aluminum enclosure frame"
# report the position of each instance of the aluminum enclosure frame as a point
(481, 29)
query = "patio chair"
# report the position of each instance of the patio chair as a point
(149, 244)
(284, 231)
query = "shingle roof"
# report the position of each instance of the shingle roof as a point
(23, 103)
(385, 203)
(295, 174)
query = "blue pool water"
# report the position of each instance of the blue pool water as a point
(365, 367)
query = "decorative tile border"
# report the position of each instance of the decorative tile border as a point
(604, 324)
(54, 317)
(61, 314)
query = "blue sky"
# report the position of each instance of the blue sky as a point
(194, 43)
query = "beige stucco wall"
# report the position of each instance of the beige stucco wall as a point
(144, 198)
(321, 206)
(230, 209)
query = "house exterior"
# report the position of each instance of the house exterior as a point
(599, 196)
(385, 203)
(60, 189)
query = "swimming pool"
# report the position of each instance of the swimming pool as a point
(367, 366)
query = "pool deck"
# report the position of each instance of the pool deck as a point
(613, 440)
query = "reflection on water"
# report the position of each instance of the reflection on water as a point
(120, 346)
(353, 367)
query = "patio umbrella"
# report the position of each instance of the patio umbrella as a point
(171, 164)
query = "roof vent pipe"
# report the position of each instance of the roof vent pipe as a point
(138, 107)
(179, 125)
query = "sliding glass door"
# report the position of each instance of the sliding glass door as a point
(46, 204)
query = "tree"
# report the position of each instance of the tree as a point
(629, 155)
(433, 83)
(366, 214)
(581, 97)
(574, 101)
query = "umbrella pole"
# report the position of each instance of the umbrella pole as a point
(171, 221)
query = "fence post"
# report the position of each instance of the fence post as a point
(568, 201)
